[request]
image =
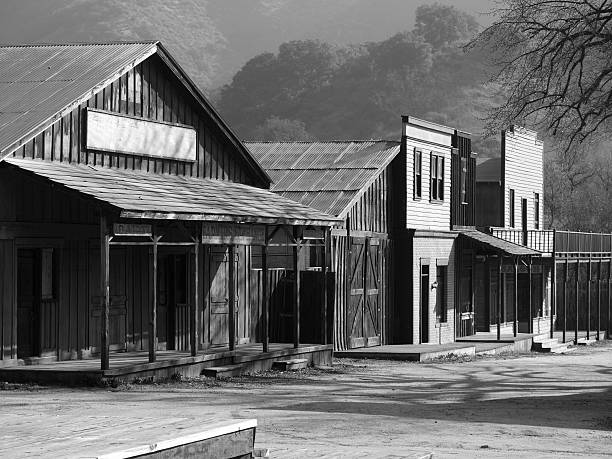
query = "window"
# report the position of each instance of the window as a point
(463, 180)
(511, 205)
(536, 211)
(418, 166)
(436, 173)
(441, 293)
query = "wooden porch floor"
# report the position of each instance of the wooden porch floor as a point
(135, 364)
(410, 352)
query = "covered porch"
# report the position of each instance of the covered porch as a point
(503, 289)
(164, 282)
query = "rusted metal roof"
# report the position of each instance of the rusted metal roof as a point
(324, 175)
(38, 82)
(142, 195)
(496, 244)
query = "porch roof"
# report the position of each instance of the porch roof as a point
(168, 197)
(496, 244)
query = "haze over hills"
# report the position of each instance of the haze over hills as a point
(212, 39)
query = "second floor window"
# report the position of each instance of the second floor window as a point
(536, 211)
(511, 206)
(463, 177)
(418, 167)
(436, 173)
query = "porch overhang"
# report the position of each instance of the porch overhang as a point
(142, 195)
(497, 245)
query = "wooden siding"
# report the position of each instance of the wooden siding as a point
(8, 303)
(522, 158)
(421, 213)
(489, 210)
(463, 214)
(376, 208)
(152, 92)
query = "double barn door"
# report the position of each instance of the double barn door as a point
(365, 292)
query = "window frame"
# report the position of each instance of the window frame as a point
(436, 177)
(417, 185)
(536, 211)
(512, 216)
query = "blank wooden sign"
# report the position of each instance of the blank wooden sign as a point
(117, 133)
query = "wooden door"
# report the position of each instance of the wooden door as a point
(424, 316)
(364, 277)
(28, 305)
(218, 295)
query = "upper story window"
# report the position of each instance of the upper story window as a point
(436, 173)
(463, 177)
(536, 211)
(418, 174)
(511, 206)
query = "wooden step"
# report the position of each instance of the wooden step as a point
(586, 342)
(555, 348)
(290, 365)
(544, 343)
(222, 372)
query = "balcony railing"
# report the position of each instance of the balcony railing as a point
(565, 243)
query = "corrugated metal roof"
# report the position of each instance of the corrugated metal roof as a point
(38, 81)
(323, 175)
(498, 244)
(137, 192)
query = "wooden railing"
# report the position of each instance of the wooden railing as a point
(566, 243)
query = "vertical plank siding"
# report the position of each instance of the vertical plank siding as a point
(8, 302)
(150, 90)
(374, 209)
(463, 214)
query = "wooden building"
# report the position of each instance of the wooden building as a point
(358, 182)
(128, 214)
(569, 288)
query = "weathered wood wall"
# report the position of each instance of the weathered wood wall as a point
(8, 302)
(463, 212)
(376, 208)
(150, 91)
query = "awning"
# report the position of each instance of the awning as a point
(138, 194)
(496, 244)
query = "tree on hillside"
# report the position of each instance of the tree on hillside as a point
(443, 25)
(281, 130)
(554, 60)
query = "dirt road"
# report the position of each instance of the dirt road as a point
(529, 406)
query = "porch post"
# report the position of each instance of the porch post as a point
(232, 297)
(515, 325)
(530, 327)
(499, 297)
(577, 298)
(609, 296)
(105, 293)
(565, 300)
(153, 320)
(553, 290)
(598, 300)
(193, 332)
(296, 287)
(324, 293)
(264, 294)
(588, 331)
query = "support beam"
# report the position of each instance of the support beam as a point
(264, 295)
(553, 296)
(577, 300)
(232, 297)
(529, 268)
(499, 297)
(296, 287)
(609, 298)
(324, 262)
(565, 299)
(193, 330)
(589, 280)
(104, 293)
(515, 324)
(153, 312)
(598, 300)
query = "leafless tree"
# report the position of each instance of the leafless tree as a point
(553, 60)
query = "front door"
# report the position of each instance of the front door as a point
(364, 302)
(28, 305)
(218, 296)
(424, 317)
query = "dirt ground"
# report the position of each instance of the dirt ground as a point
(532, 405)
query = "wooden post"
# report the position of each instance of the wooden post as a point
(296, 287)
(153, 320)
(105, 293)
(589, 280)
(515, 325)
(609, 297)
(530, 327)
(232, 297)
(553, 296)
(565, 299)
(264, 294)
(577, 298)
(598, 300)
(193, 332)
(347, 284)
(324, 293)
(499, 297)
